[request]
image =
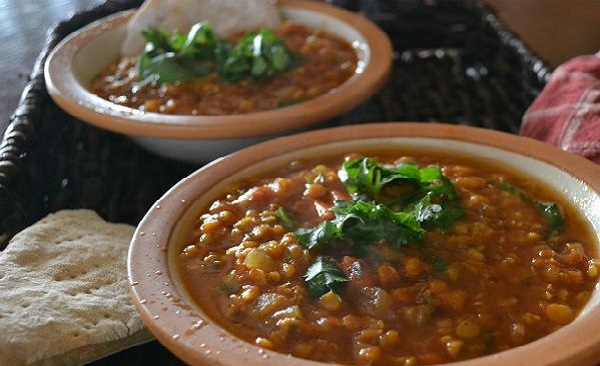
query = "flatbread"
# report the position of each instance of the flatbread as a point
(226, 16)
(64, 296)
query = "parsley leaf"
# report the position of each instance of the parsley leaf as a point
(323, 276)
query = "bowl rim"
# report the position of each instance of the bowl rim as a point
(70, 95)
(154, 294)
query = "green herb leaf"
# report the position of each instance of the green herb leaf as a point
(312, 238)
(285, 218)
(157, 42)
(437, 215)
(363, 175)
(552, 211)
(423, 195)
(440, 265)
(200, 42)
(363, 223)
(180, 57)
(226, 288)
(424, 192)
(393, 204)
(407, 181)
(170, 67)
(323, 276)
(258, 55)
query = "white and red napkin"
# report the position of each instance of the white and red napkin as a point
(566, 113)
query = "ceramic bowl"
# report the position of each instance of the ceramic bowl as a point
(184, 328)
(79, 57)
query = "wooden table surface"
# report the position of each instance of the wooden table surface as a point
(555, 29)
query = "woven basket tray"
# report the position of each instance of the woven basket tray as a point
(454, 62)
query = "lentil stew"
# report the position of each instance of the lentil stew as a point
(325, 62)
(483, 260)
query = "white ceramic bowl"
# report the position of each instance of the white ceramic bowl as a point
(80, 56)
(165, 306)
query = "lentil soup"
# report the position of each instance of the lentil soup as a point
(390, 260)
(325, 63)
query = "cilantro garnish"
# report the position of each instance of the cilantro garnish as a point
(323, 276)
(390, 203)
(393, 204)
(285, 218)
(440, 265)
(180, 57)
(394, 185)
(437, 215)
(361, 222)
(551, 211)
(258, 56)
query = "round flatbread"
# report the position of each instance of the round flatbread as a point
(65, 298)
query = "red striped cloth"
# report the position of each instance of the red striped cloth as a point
(566, 113)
